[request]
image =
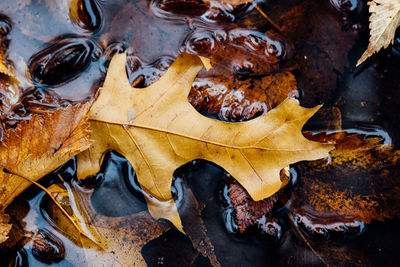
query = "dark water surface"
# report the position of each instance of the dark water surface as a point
(60, 56)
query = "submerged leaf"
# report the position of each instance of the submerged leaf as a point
(158, 130)
(115, 241)
(359, 184)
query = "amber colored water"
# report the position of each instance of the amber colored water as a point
(67, 58)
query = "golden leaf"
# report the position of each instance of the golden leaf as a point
(37, 147)
(384, 19)
(157, 130)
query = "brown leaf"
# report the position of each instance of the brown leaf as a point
(158, 130)
(248, 211)
(317, 31)
(37, 147)
(384, 20)
(195, 228)
(239, 51)
(359, 184)
(241, 100)
(306, 251)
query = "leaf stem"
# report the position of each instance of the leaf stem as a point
(305, 240)
(49, 193)
(276, 26)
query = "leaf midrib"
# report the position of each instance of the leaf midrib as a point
(151, 128)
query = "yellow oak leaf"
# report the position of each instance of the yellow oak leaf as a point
(36, 148)
(384, 19)
(158, 130)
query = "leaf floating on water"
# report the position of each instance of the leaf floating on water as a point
(157, 130)
(39, 146)
(384, 20)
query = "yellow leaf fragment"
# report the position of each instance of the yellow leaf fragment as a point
(206, 62)
(37, 147)
(5, 227)
(4, 69)
(384, 19)
(115, 241)
(158, 130)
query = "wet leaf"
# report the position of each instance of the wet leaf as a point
(37, 147)
(359, 184)
(241, 100)
(118, 240)
(306, 251)
(249, 212)
(157, 130)
(384, 20)
(195, 228)
(317, 59)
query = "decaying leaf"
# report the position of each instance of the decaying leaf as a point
(241, 100)
(319, 64)
(157, 130)
(384, 19)
(195, 227)
(359, 184)
(37, 147)
(249, 212)
(305, 251)
(118, 240)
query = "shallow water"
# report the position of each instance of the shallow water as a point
(67, 62)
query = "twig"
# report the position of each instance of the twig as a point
(276, 26)
(194, 259)
(305, 240)
(60, 177)
(41, 111)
